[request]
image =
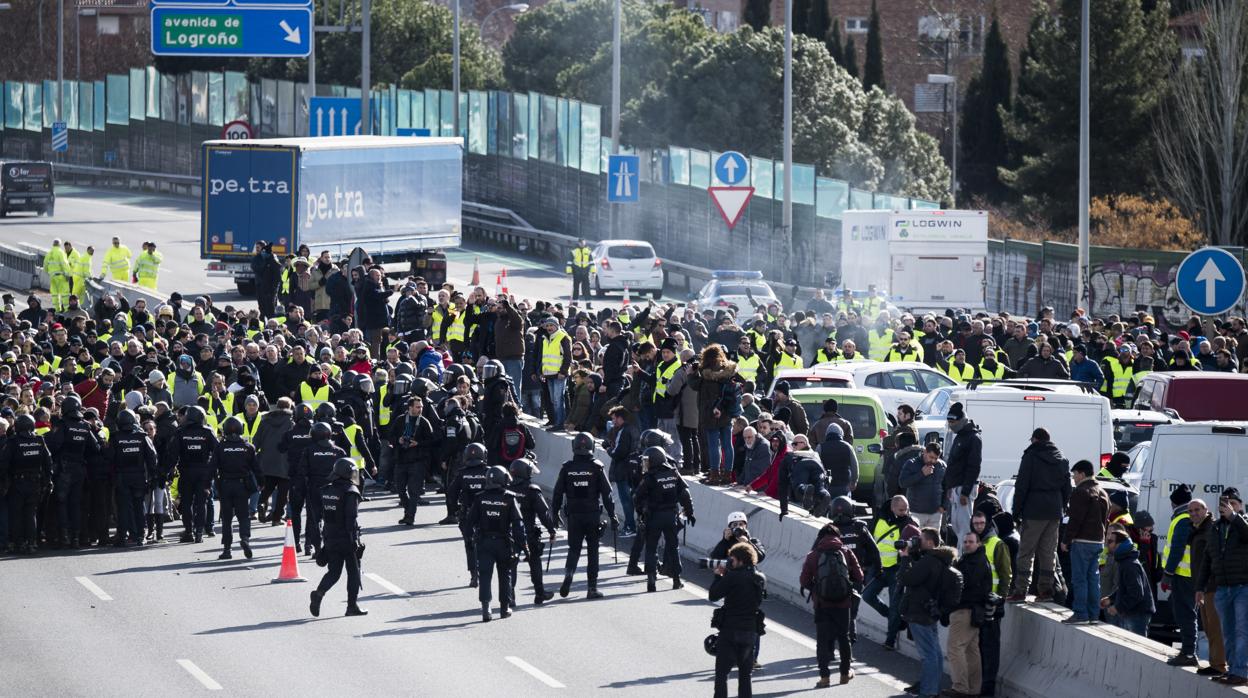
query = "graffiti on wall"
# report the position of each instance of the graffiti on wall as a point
(1122, 288)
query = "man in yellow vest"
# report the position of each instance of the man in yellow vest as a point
(117, 261)
(786, 358)
(903, 350)
(580, 266)
(666, 407)
(147, 266)
(556, 357)
(891, 530)
(748, 360)
(827, 352)
(959, 369)
(56, 264)
(880, 338)
(315, 390)
(998, 554)
(82, 271)
(1176, 563)
(71, 264)
(1119, 371)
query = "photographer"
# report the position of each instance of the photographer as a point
(890, 531)
(743, 589)
(737, 532)
(267, 270)
(920, 606)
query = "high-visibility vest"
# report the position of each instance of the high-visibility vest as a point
(966, 373)
(582, 259)
(314, 399)
(353, 432)
(1122, 377)
(117, 262)
(40, 431)
(199, 381)
(287, 275)
(823, 356)
(788, 360)
(886, 537)
(1185, 565)
(997, 373)
(990, 549)
(879, 344)
(147, 266)
(82, 265)
(55, 262)
(856, 357)
(436, 329)
(895, 354)
(552, 353)
(663, 376)
(225, 405)
(455, 333)
(383, 408)
(759, 339)
(249, 430)
(747, 366)
(1123, 518)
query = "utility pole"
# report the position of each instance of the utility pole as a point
(366, 87)
(455, 69)
(60, 59)
(787, 208)
(1084, 116)
(615, 108)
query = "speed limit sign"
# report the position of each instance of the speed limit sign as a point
(237, 131)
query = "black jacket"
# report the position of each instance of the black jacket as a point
(798, 468)
(976, 578)
(1133, 593)
(1226, 553)
(622, 444)
(964, 459)
(839, 461)
(743, 591)
(1043, 485)
(921, 579)
(615, 360)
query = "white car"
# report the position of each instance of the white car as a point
(894, 383)
(744, 289)
(1135, 426)
(631, 264)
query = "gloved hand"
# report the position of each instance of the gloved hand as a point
(692, 521)
(615, 523)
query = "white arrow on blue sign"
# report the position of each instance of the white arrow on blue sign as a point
(731, 168)
(1210, 281)
(60, 137)
(623, 179)
(334, 116)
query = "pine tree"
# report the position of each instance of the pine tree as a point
(982, 132)
(851, 58)
(873, 65)
(833, 41)
(801, 15)
(758, 14)
(818, 23)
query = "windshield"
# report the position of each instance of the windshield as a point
(1129, 433)
(860, 417)
(630, 252)
(743, 289)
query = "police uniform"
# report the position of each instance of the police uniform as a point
(534, 509)
(26, 469)
(189, 451)
(661, 490)
(292, 444)
(580, 265)
(316, 465)
(340, 501)
(583, 482)
(498, 529)
(134, 462)
(237, 471)
(71, 446)
(468, 483)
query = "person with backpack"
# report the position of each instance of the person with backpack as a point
(962, 648)
(513, 440)
(932, 590)
(856, 537)
(830, 573)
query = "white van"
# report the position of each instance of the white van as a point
(1207, 456)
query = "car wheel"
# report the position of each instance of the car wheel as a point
(656, 293)
(598, 292)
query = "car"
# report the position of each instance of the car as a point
(744, 289)
(626, 264)
(895, 383)
(813, 377)
(865, 413)
(27, 186)
(1135, 462)
(1133, 426)
(1194, 395)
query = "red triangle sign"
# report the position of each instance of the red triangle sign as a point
(731, 202)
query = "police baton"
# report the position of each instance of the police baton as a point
(615, 546)
(550, 549)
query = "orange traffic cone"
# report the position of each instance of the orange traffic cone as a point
(626, 296)
(290, 562)
(498, 285)
(476, 272)
(504, 282)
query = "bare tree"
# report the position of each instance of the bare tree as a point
(1202, 132)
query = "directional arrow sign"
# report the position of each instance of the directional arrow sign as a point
(731, 202)
(1210, 281)
(231, 31)
(731, 168)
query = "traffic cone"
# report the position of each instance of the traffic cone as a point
(290, 562)
(498, 285)
(626, 298)
(476, 272)
(504, 282)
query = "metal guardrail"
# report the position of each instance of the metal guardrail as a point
(185, 185)
(18, 268)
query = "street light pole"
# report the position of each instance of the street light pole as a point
(1084, 116)
(518, 8)
(455, 71)
(615, 104)
(951, 83)
(60, 59)
(787, 208)
(366, 51)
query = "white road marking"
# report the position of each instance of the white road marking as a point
(535, 672)
(91, 587)
(381, 582)
(199, 675)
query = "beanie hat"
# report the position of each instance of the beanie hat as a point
(1181, 495)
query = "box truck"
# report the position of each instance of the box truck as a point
(927, 259)
(397, 199)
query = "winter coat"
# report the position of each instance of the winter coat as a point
(797, 421)
(1043, 485)
(964, 457)
(798, 468)
(341, 296)
(839, 460)
(1200, 540)
(622, 443)
(1226, 555)
(921, 579)
(1039, 367)
(756, 461)
(273, 426)
(925, 492)
(409, 314)
(976, 578)
(810, 570)
(713, 392)
(320, 276)
(509, 329)
(892, 469)
(1087, 371)
(742, 591)
(820, 428)
(687, 413)
(580, 409)
(372, 304)
(769, 482)
(1088, 512)
(1133, 592)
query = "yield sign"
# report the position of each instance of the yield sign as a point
(731, 202)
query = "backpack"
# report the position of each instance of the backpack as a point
(832, 578)
(949, 595)
(512, 446)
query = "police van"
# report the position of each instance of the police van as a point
(26, 186)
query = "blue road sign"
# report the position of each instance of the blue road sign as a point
(334, 116)
(731, 168)
(241, 3)
(60, 137)
(199, 30)
(412, 132)
(1210, 281)
(623, 182)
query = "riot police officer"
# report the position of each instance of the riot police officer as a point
(661, 491)
(340, 504)
(189, 450)
(583, 482)
(134, 462)
(316, 466)
(469, 482)
(649, 438)
(71, 446)
(292, 444)
(534, 509)
(237, 470)
(856, 537)
(498, 531)
(26, 470)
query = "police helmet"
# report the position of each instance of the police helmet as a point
(711, 644)
(475, 454)
(127, 420)
(492, 369)
(24, 425)
(582, 444)
(404, 369)
(232, 427)
(421, 387)
(842, 508)
(470, 372)
(524, 469)
(321, 431)
(71, 407)
(326, 412)
(654, 458)
(365, 384)
(452, 374)
(430, 373)
(498, 477)
(303, 412)
(195, 416)
(344, 469)
(655, 437)
(350, 379)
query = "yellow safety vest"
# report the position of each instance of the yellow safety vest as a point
(886, 537)
(966, 373)
(147, 266)
(1124, 518)
(249, 430)
(117, 262)
(552, 353)
(1185, 565)
(314, 399)
(455, 333)
(199, 381)
(287, 275)
(40, 431)
(383, 409)
(990, 373)
(1122, 377)
(663, 376)
(880, 344)
(353, 432)
(82, 265)
(436, 328)
(787, 360)
(747, 367)
(54, 262)
(582, 258)
(759, 339)
(990, 549)
(895, 354)
(822, 356)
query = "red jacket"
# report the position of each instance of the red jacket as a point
(769, 482)
(810, 569)
(93, 396)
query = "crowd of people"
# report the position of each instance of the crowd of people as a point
(118, 418)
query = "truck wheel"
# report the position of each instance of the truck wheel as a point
(246, 288)
(51, 211)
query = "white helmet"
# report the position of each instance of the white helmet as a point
(736, 516)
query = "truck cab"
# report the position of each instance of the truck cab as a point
(27, 186)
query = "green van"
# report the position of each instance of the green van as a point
(864, 411)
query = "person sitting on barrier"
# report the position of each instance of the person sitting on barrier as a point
(802, 479)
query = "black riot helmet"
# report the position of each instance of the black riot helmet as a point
(71, 407)
(523, 469)
(127, 420)
(322, 431)
(655, 437)
(654, 458)
(492, 369)
(421, 387)
(842, 508)
(344, 469)
(498, 477)
(711, 644)
(24, 425)
(475, 454)
(194, 416)
(452, 374)
(232, 427)
(582, 444)
(326, 412)
(350, 379)
(470, 372)
(303, 412)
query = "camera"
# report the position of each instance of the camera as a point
(710, 563)
(741, 533)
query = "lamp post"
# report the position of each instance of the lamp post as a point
(951, 82)
(615, 105)
(1084, 98)
(786, 219)
(519, 8)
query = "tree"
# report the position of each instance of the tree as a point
(559, 36)
(801, 13)
(1130, 55)
(818, 22)
(758, 14)
(833, 41)
(982, 138)
(1202, 135)
(851, 58)
(873, 65)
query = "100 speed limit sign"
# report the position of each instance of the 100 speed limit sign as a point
(237, 131)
